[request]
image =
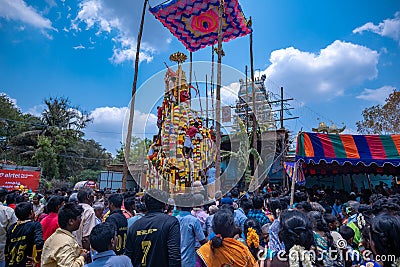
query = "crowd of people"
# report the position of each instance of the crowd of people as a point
(323, 227)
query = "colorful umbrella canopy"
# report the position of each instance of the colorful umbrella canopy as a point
(195, 22)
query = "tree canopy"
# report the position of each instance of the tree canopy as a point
(382, 119)
(53, 141)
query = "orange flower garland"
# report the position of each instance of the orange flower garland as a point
(252, 238)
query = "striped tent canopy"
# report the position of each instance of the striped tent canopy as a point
(195, 22)
(345, 153)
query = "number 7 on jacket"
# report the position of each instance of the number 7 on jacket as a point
(145, 247)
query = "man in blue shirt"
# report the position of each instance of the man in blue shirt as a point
(103, 239)
(257, 213)
(239, 215)
(190, 231)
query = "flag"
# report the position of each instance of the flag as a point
(294, 169)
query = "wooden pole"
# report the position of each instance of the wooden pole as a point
(206, 102)
(212, 85)
(218, 99)
(132, 107)
(247, 102)
(190, 76)
(254, 103)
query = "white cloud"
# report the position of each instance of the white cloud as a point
(115, 19)
(319, 77)
(79, 47)
(388, 28)
(108, 125)
(18, 10)
(378, 95)
(37, 110)
(229, 94)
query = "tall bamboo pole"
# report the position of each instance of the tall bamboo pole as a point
(206, 102)
(218, 99)
(132, 107)
(254, 102)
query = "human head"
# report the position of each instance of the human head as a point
(274, 206)
(385, 233)
(155, 200)
(317, 207)
(212, 209)
(226, 201)
(246, 205)
(352, 207)
(258, 202)
(73, 198)
(252, 223)
(129, 204)
(86, 195)
(69, 216)
(115, 201)
(10, 198)
(295, 229)
(103, 237)
(24, 211)
(223, 226)
(3, 193)
(304, 206)
(54, 203)
(265, 232)
(332, 221)
(35, 199)
(98, 208)
(318, 221)
(347, 233)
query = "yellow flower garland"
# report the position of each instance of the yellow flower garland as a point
(252, 238)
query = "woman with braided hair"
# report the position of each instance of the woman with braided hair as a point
(223, 249)
(253, 235)
(295, 231)
(323, 240)
(384, 240)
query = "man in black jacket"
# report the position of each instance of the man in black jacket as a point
(24, 238)
(154, 240)
(119, 220)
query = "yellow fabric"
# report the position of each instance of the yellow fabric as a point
(232, 253)
(61, 250)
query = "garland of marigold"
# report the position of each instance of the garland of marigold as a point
(252, 238)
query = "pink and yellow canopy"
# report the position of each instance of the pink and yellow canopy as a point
(195, 22)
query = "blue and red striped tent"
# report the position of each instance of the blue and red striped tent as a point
(344, 153)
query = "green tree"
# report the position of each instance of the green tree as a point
(16, 130)
(47, 156)
(382, 119)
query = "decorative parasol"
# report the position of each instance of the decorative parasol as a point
(195, 22)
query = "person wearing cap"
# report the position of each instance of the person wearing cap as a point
(7, 218)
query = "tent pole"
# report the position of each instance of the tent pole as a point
(132, 107)
(369, 182)
(294, 178)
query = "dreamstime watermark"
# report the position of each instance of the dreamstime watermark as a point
(319, 255)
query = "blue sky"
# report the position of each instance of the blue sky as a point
(334, 57)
